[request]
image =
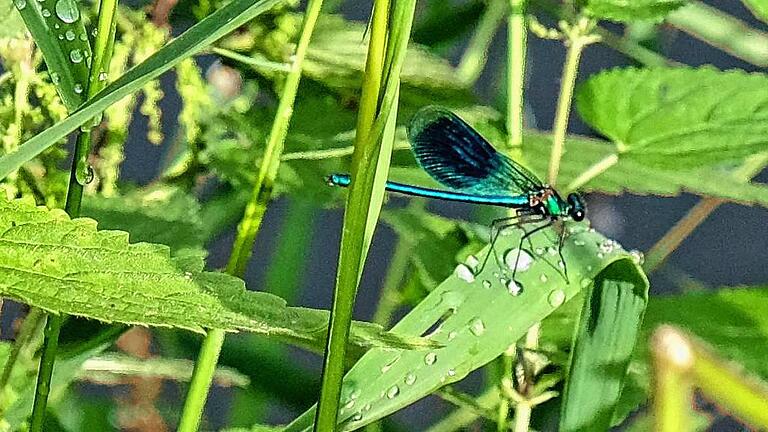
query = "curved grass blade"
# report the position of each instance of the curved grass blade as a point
(188, 43)
(60, 35)
(477, 316)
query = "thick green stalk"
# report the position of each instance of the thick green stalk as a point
(476, 55)
(516, 55)
(80, 174)
(370, 165)
(251, 221)
(577, 38)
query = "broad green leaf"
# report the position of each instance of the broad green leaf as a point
(67, 266)
(477, 316)
(188, 43)
(602, 348)
(633, 10)
(733, 320)
(158, 214)
(633, 175)
(59, 32)
(677, 117)
(759, 8)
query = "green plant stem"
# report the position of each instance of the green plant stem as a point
(80, 173)
(633, 50)
(251, 221)
(595, 170)
(517, 43)
(672, 388)
(723, 31)
(507, 360)
(696, 215)
(370, 165)
(476, 55)
(578, 39)
(257, 63)
(465, 415)
(27, 330)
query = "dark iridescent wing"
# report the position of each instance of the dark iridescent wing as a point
(454, 154)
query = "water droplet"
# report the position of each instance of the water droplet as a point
(83, 37)
(607, 246)
(357, 417)
(464, 273)
(579, 242)
(452, 334)
(89, 174)
(393, 391)
(70, 35)
(390, 363)
(600, 255)
(410, 378)
(20, 4)
(472, 262)
(543, 278)
(102, 76)
(61, 37)
(367, 407)
(518, 258)
(561, 264)
(556, 298)
(54, 77)
(56, 26)
(476, 327)
(552, 251)
(585, 282)
(514, 288)
(67, 11)
(487, 283)
(589, 268)
(76, 56)
(539, 251)
(78, 88)
(451, 372)
(46, 13)
(637, 256)
(430, 358)
(350, 404)
(94, 32)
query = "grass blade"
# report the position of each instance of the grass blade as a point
(188, 43)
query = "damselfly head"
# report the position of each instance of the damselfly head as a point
(577, 210)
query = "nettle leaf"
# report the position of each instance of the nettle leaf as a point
(477, 313)
(634, 176)
(759, 8)
(678, 116)
(733, 320)
(158, 214)
(632, 10)
(67, 266)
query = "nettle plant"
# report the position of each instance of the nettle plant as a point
(559, 321)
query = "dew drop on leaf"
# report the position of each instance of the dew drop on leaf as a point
(20, 4)
(46, 13)
(410, 378)
(393, 392)
(76, 56)
(543, 278)
(78, 88)
(513, 287)
(518, 258)
(67, 11)
(430, 358)
(70, 35)
(556, 298)
(487, 283)
(477, 327)
(464, 273)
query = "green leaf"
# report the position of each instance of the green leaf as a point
(759, 8)
(188, 43)
(678, 116)
(602, 349)
(67, 266)
(633, 10)
(61, 36)
(158, 214)
(633, 175)
(733, 320)
(474, 314)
